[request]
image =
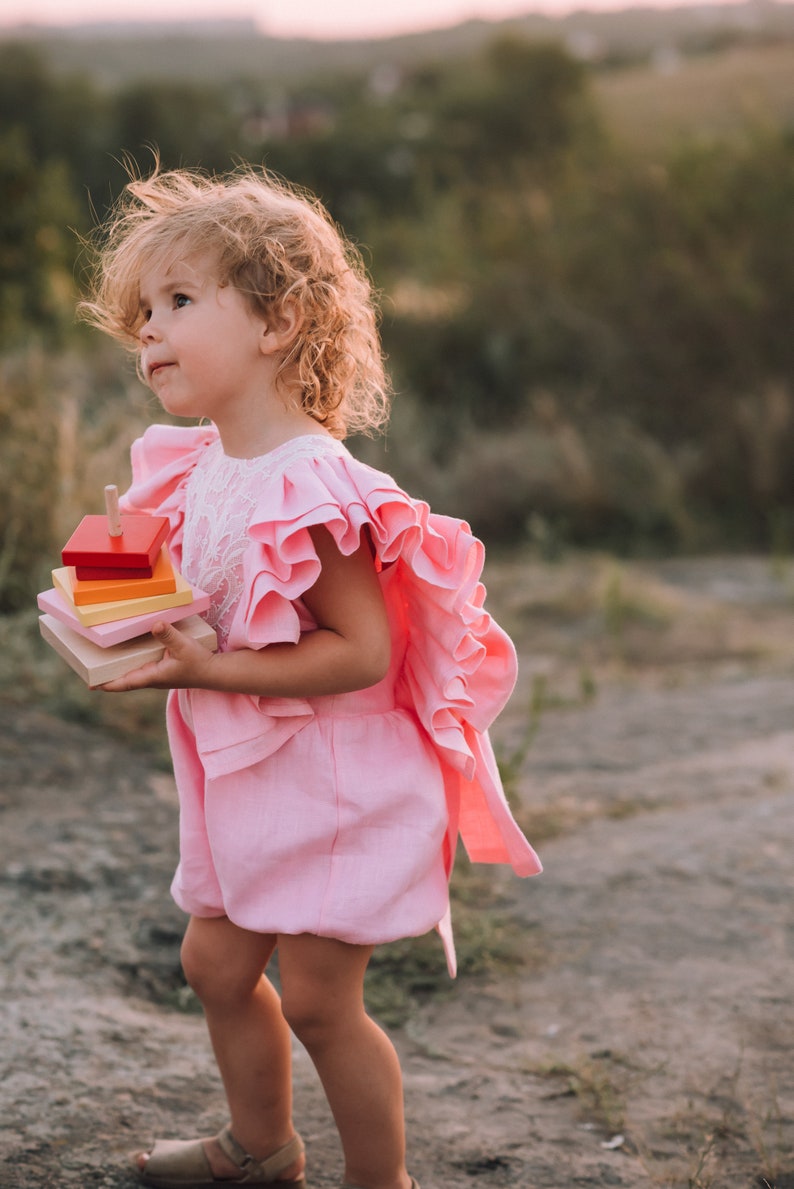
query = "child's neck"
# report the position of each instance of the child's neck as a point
(252, 438)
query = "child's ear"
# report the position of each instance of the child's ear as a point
(280, 328)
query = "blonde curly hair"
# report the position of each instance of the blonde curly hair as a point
(272, 242)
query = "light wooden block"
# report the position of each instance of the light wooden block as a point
(117, 631)
(125, 608)
(142, 538)
(96, 665)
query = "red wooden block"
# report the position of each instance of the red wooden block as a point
(140, 542)
(112, 573)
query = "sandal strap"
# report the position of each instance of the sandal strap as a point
(267, 1169)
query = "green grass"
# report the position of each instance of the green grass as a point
(649, 108)
(488, 940)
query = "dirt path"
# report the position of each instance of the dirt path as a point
(645, 1041)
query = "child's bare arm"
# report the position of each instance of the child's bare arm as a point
(349, 650)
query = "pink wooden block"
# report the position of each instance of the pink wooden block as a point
(104, 634)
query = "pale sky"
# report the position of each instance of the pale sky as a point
(290, 18)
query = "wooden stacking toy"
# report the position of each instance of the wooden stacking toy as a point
(116, 582)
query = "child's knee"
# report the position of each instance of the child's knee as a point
(201, 973)
(307, 1013)
(322, 987)
(213, 973)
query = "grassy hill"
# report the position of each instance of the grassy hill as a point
(659, 73)
(222, 51)
(649, 106)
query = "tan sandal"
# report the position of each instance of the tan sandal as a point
(183, 1164)
(414, 1185)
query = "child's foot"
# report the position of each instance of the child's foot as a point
(219, 1159)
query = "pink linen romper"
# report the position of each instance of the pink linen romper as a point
(339, 815)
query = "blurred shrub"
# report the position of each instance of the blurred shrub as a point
(66, 425)
(36, 247)
(549, 480)
(654, 304)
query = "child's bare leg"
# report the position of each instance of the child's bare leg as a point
(224, 965)
(322, 997)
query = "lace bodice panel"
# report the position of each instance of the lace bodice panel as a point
(222, 494)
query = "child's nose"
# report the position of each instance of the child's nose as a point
(149, 330)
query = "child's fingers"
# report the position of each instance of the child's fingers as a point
(136, 679)
(182, 665)
(158, 674)
(170, 637)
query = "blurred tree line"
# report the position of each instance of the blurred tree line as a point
(590, 345)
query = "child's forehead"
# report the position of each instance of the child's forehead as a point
(184, 264)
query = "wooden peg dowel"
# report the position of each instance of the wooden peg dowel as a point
(112, 506)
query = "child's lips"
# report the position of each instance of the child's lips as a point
(158, 368)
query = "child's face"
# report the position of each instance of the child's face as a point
(200, 343)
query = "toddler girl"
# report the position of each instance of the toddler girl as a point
(330, 752)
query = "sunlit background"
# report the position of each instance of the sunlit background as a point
(581, 222)
(306, 18)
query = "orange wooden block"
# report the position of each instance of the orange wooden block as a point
(91, 544)
(114, 590)
(96, 613)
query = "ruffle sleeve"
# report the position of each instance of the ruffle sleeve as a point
(459, 667)
(162, 461)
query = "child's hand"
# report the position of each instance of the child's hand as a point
(184, 665)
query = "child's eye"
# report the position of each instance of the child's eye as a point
(181, 300)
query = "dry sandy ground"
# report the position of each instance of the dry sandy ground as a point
(645, 1040)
